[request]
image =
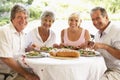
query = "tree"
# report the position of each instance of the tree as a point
(5, 6)
(111, 5)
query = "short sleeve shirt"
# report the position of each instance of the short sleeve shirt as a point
(111, 36)
(12, 43)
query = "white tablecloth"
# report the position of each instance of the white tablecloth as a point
(83, 68)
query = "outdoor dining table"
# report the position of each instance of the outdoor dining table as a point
(82, 68)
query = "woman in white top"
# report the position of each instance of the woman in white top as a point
(42, 36)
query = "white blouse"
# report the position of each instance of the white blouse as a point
(34, 37)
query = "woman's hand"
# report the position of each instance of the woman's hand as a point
(58, 45)
(83, 46)
(32, 47)
(62, 45)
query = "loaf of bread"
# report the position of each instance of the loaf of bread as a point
(64, 53)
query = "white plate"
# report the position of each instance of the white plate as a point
(41, 55)
(45, 54)
(33, 56)
(38, 56)
(96, 54)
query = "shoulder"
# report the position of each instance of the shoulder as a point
(63, 30)
(33, 31)
(115, 27)
(5, 32)
(85, 31)
(52, 32)
(5, 29)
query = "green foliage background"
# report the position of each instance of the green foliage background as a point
(61, 8)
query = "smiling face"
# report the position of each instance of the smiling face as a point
(20, 21)
(19, 17)
(46, 22)
(74, 21)
(99, 21)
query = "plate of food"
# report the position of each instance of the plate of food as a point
(34, 54)
(71, 47)
(88, 53)
(45, 49)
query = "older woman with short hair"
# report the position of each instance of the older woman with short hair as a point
(43, 36)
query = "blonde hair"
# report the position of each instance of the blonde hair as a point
(75, 14)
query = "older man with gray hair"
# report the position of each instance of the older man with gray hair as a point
(107, 42)
(13, 42)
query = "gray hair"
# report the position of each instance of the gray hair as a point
(102, 10)
(48, 13)
(18, 8)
